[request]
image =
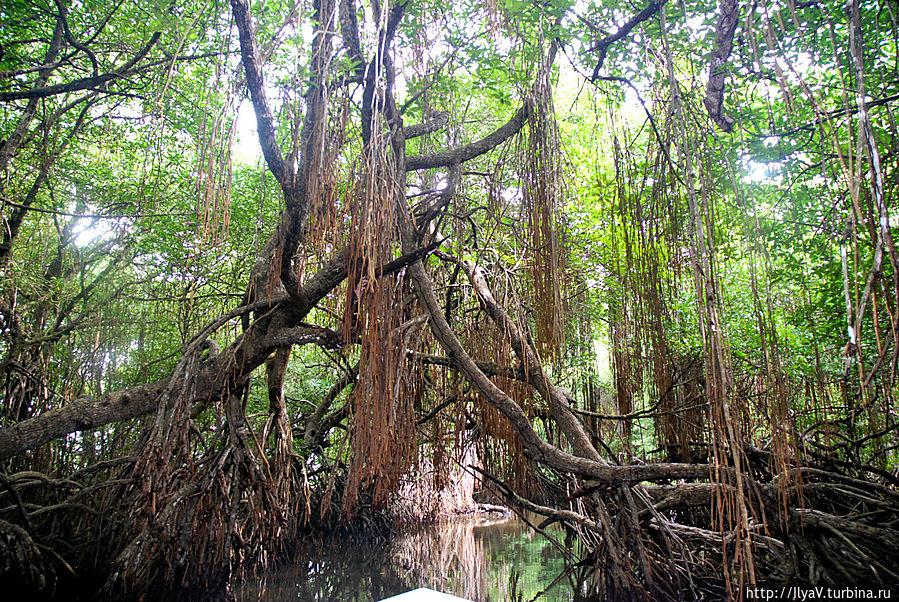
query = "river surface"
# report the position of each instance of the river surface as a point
(489, 560)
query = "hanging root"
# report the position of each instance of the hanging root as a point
(542, 191)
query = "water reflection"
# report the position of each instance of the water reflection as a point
(477, 559)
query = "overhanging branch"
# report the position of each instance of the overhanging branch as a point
(602, 46)
(84, 83)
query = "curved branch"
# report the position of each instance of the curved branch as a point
(603, 45)
(729, 12)
(487, 143)
(433, 124)
(213, 379)
(80, 415)
(317, 425)
(556, 397)
(84, 83)
(256, 85)
(475, 149)
(63, 17)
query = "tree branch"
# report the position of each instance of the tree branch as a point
(433, 124)
(255, 83)
(729, 12)
(83, 83)
(603, 45)
(475, 149)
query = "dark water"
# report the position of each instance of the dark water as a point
(478, 559)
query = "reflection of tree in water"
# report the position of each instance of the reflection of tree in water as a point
(479, 560)
(335, 569)
(476, 560)
(443, 556)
